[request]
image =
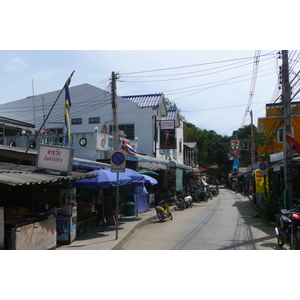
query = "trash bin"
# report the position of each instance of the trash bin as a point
(129, 209)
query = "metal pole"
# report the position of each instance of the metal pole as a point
(252, 139)
(50, 111)
(33, 103)
(117, 207)
(287, 129)
(115, 138)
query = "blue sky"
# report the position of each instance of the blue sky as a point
(53, 39)
(210, 87)
(156, 25)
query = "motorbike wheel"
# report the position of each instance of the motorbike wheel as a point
(181, 205)
(296, 242)
(160, 216)
(170, 216)
(211, 196)
(280, 241)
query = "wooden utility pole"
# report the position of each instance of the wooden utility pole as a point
(287, 129)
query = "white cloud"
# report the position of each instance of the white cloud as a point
(15, 64)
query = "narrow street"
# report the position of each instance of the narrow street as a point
(224, 223)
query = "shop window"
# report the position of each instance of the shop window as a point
(94, 120)
(77, 121)
(128, 129)
(280, 134)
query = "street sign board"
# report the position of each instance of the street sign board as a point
(263, 168)
(117, 162)
(235, 151)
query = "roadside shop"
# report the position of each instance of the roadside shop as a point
(37, 205)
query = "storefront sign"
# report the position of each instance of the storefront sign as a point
(235, 145)
(55, 158)
(261, 182)
(167, 125)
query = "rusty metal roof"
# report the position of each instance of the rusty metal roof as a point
(13, 175)
(150, 100)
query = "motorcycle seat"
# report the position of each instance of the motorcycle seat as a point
(285, 211)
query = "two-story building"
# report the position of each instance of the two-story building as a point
(272, 125)
(155, 132)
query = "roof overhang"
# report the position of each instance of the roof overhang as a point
(13, 175)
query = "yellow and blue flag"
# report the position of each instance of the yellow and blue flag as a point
(67, 110)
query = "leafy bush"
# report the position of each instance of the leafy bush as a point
(269, 207)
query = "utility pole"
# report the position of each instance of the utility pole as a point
(252, 139)
(115, 126)
(115, 132)
(287, 129)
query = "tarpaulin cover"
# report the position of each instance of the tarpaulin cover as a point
(141, 202)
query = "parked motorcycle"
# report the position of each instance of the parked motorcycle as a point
(214, 190)
(163, 211)
(194, 194)
(188, 201)
(208, 192)
(202, 195)
(181, 204)
(288, 229)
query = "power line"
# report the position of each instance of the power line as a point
(190, 66)
(253, 83)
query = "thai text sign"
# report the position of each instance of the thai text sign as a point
(55, 158)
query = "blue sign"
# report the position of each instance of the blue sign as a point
(118, 162)
(263, 166)
(118, 158)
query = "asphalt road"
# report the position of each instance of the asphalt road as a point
(224, 223)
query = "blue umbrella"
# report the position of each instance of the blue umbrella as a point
(105, 178)
(149, 179)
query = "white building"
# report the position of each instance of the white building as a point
(139, 117)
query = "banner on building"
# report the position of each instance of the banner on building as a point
(167, 135)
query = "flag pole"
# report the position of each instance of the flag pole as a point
(36, 135)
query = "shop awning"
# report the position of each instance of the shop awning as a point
(13, 175)
(149, 162)
(180, 166)
(80, 162)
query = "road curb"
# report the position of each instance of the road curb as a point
(122, 241)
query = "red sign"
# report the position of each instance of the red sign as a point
(235, 151)
(117, 162)
(235, 145)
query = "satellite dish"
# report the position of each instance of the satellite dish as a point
(293, 143)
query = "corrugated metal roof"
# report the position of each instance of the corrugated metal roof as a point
(171, 115)
(150, 100)
(13, 175)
